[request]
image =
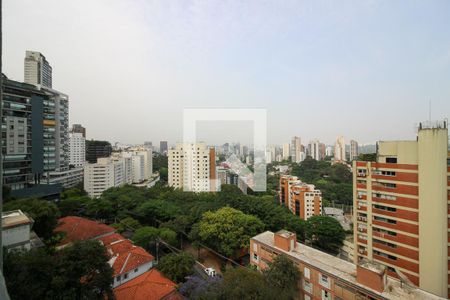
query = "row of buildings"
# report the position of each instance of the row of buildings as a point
(401, 224)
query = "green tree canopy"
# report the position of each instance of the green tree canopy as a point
(145, 235)
(283, 276)
(177, 266)
(228, 230)
(325, 233)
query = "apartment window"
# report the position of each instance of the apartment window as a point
(255, 247)
(385, 243)
(383, 231)
(324, 281)
(307, 286)
(386, 220)
(376, 252)
(255, 257)
(386, 208)
(306, 272)
(391, 160)
(325, 295)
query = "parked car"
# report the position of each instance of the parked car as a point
(211, 272)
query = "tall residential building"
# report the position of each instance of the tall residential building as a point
(77, 149)
(302, 199)
(106, 173)
(97, 149)
(163, 147)
(353, 150)
(142, 163)
(37, 70)
(401, 208)
(296, 149)
(329, 151)
(192, 167)
(326, 277)
(77, 128)
(339, 149)
(322, 151)
(286, 152)
(314, 149)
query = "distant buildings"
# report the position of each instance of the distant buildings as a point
(163, 147)
(37, 70)
(339, 150)
(401, 208)
(353, 150)
(77, 151)
(316, 150)
(286, 152)
(327, 277)
(192, 167)
(302, 199)
(226, 176)
(296, 150)
(77, 128)
(97, 149)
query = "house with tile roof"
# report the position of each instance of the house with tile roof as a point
(151, 285)
(81, 229)
(127, 260)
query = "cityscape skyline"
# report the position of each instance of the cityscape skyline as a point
(275, 58)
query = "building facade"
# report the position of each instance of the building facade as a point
(401, 208)
(302, 199)
(296, 149)
(353, 150)
(77, 149)
(314, 150)
(37, 70)
(192, 167)
(163, 147)
(97, 149)
(327, 277)
(106, 173)
(339, 149)
(77, 128)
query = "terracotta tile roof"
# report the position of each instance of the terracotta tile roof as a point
(151, 285)
(108, 239)
(81, 229)
(126, 257)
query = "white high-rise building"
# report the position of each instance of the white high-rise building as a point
(192, 167)
(77, 149)
(329, 151)
(353, 150)
(314, 149)
(37, 69)
(108, 172)
(339, 149)
(296, 149)
(141, 163)
(286, 152)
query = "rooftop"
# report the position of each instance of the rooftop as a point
(344, 270)
(15, 218)
(81, 229)
(151, 285)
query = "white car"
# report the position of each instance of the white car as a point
(211, 272)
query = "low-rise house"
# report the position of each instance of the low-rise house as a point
(81, 229)
(127, 260)
(151, 285)
(16, 231)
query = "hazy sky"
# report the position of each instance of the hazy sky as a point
(362, 69)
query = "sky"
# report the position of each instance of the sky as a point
(366, 70)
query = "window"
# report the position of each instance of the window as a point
(135, 270)
(325, 295)
(118, 278)
(306, 272)
(125, 276)
(386, 220)
(391, 160)
(386, 208)
(255, 257)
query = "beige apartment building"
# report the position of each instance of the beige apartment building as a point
(302, 199)
(192, 167)
(327, 277)
(402, 209)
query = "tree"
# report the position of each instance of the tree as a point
(127, 224)
(242, 283)
(44, 213)
(83, 272)
(367, 157)
(228, 230)
(283, 276)
(177, 266)
(325, 233)
(80, 271)
(73, 205)
(144, 235)
(168, 235)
